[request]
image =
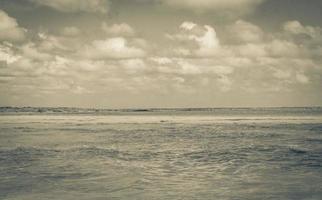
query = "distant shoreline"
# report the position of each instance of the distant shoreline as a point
(156, 108)
(218, 110)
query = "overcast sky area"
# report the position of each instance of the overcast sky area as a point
(160, 53)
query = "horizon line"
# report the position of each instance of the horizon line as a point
(159, 108)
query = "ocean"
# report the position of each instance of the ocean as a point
(161, 154)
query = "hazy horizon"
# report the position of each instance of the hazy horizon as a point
(161, 108)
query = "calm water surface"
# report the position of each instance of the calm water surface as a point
(267, 154)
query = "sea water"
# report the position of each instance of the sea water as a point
(228, 154)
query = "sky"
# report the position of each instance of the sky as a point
(160, 53)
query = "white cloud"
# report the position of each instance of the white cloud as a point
(161, 60)
(208, 43)
(7, 55)
(9, 28)
(188, 25)
(116, 48)
(100, 6)
(122, 29)
(204, 37)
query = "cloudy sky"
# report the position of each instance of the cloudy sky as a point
(160, 53)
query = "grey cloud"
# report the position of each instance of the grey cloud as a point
(245, 32)
(122, 29)
(101, 6)
(214, 4)
(71, 31)
(9, 28)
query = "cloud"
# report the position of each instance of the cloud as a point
(284, 48)
(188, 25)
(100, 6)
(302, 78)
(116, 48)
(273, 48)
(133, 65)
(250, 50)
(204, 37)
(193, 60)
(161, 60)
(282, 74)
(7, 55)
(245, 32)
(122, 29)
(69, 40)
(208, 43)
(30, 51)
(189, 74)
(297, 29)
(254, 58)
(238, 6)
(225, 83)
(9, 29)
(70, 31)
(195, 66)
